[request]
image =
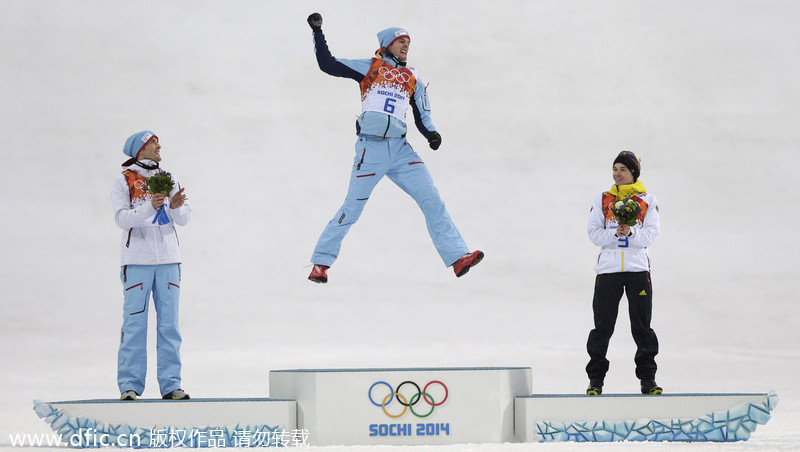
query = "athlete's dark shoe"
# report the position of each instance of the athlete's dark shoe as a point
(467, 261)
(650, 387)
(318, 274)
(595, 386)
(129, 395)
(177, 394)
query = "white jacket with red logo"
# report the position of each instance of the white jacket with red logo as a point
(623, 254)
(144, 242)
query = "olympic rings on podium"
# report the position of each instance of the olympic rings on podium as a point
(408, 403)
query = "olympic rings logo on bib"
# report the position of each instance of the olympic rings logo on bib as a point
(394, 74)
(422, 395)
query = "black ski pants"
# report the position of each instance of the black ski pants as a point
(608, 289)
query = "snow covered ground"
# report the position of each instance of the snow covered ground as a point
(533, 99)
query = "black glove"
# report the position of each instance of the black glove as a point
(315, 22)
(434, 140)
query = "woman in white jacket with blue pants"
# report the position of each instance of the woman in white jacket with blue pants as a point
(623, 266)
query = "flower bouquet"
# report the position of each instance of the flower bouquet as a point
(161, 182)
(626, 211)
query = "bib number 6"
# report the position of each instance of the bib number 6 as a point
(388, 107)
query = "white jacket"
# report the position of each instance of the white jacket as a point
(144, 242)
(623, 254)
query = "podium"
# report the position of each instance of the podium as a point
(406, 406)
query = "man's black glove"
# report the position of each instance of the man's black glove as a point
(315, 22)
(434, 140)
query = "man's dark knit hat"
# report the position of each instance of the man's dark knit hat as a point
(630, 160)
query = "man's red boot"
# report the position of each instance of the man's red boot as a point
(318, 274)
(467, 261)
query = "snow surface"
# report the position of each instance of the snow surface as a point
(533, 100)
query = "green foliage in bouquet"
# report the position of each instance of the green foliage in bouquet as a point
(161, 182)
(626, 211)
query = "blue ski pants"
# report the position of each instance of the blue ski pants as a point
(138, 282)
(394, 158)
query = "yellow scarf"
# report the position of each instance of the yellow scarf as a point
(626, 191)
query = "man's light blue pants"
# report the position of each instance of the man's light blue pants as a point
(394, 158)
(138, 281)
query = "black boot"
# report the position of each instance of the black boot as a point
(595, 386)
(650, 387)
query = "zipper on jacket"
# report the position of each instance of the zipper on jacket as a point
(155, 240)
(128, 243)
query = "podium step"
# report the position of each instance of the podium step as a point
(157, 423)
(411, 406)
(636, 417)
